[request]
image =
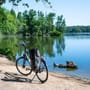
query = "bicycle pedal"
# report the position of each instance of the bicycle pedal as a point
(28, 69)
(23, 66)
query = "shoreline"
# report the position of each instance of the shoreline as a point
(56, 81)
(9, 62)
(76, 76)
(71, 77)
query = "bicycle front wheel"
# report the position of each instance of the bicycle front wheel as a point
(23, 66)
(43, 72)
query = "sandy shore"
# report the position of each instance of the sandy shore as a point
(10, 79)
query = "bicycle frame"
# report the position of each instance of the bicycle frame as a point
(27, 60)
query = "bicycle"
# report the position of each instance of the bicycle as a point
(24, 65)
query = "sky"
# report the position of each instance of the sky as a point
(75, 12)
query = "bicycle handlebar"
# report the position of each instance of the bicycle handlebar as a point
(22, 44)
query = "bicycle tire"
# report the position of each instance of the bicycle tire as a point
(23, 66)
(42, 75)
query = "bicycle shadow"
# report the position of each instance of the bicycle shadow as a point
(14, 77)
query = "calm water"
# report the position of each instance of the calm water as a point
(76, 50)
(57, 49)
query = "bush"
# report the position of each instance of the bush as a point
(55, 33)
(7, 52)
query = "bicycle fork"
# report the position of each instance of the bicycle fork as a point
(26, 58)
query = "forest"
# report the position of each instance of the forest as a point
(78, 29)
(30, 23)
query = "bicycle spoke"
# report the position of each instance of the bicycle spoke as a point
(43, 72)
(23, 66)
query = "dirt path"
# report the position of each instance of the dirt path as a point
(10, 79)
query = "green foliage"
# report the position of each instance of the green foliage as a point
(11, 24)
(30, 23)
(8, 21)
(77, 29)
(13, 13)
(55, 33)
(7, 52)
(60, 24)
(7, 47)
(2, 19)
(39, 24)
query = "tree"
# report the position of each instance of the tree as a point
(20, 23)
(50, 19)
(11, 24)
(41, 23)
(60, 24)
(31, 21)
(8, 22)
(3, 18)
(13, 12)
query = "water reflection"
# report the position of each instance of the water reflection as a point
(60, 44)
(46, 45)
(7, 46)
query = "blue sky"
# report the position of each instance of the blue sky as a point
(75, 12)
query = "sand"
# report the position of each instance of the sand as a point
(10, 79)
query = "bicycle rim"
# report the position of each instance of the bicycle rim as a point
(43, 72)
(23, 66)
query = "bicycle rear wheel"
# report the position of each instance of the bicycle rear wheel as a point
(43, 72)
(23, 66)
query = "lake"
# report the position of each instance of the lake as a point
(57, 50)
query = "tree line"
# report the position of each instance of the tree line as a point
(78, 29)
(30, 23)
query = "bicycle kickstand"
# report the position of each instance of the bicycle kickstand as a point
(33, 77)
